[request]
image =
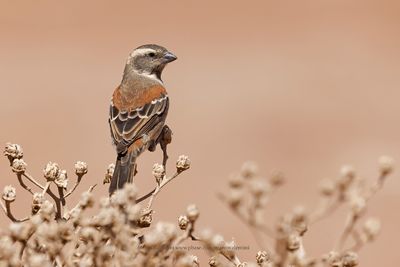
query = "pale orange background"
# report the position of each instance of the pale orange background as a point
(302, 86)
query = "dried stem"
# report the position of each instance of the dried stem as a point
(359, 242)
(79, 178)
(255, 227)
(325, 211)
(163, 183)
(142, 198)
(7, 211)
(30, 178)
(21, 182)
(348, 229)
(61, 195)
(46, 187)
(79, 204)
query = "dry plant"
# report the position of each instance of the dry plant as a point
(121, 233)
(249, 194)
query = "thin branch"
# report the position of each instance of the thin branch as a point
(262, 228)
(78, 181)
(140, 199)
(348, 229)
(46, 187)
(21, 182)
(48, 191)
(30, 178)
(79, 204)
(376, 187)
(61, 195)
(326, 211)
(154, 193)
(7, 210)
(359, 242)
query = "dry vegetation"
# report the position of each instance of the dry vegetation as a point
(122, 234)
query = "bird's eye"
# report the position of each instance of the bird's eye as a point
(151, 54)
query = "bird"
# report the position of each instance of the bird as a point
(138, 111)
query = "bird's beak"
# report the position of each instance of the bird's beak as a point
(169, 57)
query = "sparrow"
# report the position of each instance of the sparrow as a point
(138, 110)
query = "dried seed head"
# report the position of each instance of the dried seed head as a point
(105, 217)
(37, 201)
(13, 151)
(119, 198)
(299, 213)
(347, 175)
(192, 213)
(158, 172)
(105, 202)
(20, 231)
(167, 230)
(89, 234)
(51, 171)
(162, 234)
(371, 228)
(19, 166)
(183, 222)
(39, 260)
(206, 235)
(74, 215)
(48, 230)
(217, 242)
(65, 232)
(47, 210)
(277, 178)
(259, 187)
(299, 220)
(262, 257)
(348, 171)
(195, 260)
(332, 258)
(236, 181)
(386, 165)
(213, 262)
(152, 239)
(187, 261)
(293, 242)
(109, 173)
(81, 168)
(350, 259)
(87, 200)
(7, 248)
(134, 212)
(86, 261)
(37, 198)
(146, 218)
(62, 179)
(183, 163)
(327, 187)
(9, 193)
(357, 204)
(249, 169)
(235, 198)
(229, 249)
(131, 192)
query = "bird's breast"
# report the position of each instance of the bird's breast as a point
(126, 100)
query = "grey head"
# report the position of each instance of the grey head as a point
(148, 61)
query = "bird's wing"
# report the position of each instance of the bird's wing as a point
(129, 125)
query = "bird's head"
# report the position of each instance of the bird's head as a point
(149, 60)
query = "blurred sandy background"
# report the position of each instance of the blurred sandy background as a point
(302, 86)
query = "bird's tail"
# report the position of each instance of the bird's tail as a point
(124, 171)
